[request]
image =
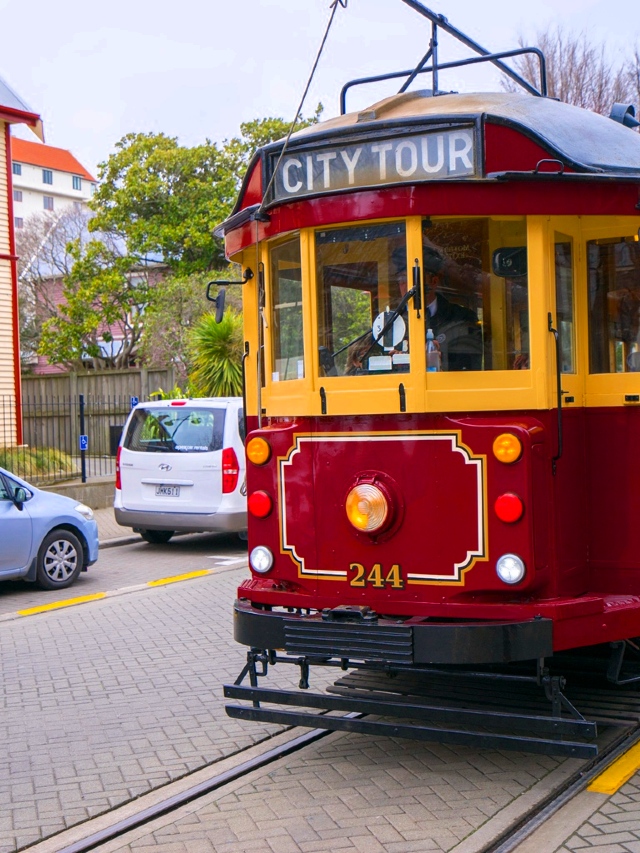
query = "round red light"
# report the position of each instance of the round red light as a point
(259, 504)
(509, 507)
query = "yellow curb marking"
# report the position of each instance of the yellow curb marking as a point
(617, 773)
(180, 578)
(66, 603)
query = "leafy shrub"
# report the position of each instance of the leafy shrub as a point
(38, 464)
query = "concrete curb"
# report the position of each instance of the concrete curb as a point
(119, 540)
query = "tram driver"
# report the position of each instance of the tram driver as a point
(456, 329)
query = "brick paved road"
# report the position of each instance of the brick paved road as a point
(352, 793)
(104, 701)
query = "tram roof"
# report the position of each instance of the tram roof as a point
(578, 135)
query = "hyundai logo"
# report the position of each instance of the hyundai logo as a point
(164, 466)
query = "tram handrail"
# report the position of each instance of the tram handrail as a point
(473, 60)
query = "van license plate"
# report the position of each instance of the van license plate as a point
(168, 491)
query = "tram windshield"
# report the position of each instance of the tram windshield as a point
(475, 289)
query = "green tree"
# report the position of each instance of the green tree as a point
(175, 307)
(164, 199)
(217, 355)
(103, 294)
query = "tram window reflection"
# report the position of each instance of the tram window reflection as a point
(287, 338)
(361, 276)
(476, 292)
(564, 301)
(614, 305)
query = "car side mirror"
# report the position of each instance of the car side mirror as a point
(19, 498)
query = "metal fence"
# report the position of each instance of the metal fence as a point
(68, 438)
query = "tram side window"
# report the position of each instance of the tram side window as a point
(361, 275)
(476, 292)
(564, 301)
(614, 305)
(287, 339)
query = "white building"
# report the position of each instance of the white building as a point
(46, 179)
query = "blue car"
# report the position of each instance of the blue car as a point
(47, 539)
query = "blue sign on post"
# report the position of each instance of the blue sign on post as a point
(134, 401)
(84, 442)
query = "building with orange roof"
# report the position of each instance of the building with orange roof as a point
(47, 180)
(13, 110)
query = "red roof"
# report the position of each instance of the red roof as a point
(47, 156)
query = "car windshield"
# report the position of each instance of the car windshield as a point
(175, 430)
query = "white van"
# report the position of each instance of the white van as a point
(180, 467)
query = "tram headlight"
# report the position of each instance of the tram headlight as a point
(510, 568)
(261, 559)
(507, 448)
(367, 507)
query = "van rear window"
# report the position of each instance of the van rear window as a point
(175, 430)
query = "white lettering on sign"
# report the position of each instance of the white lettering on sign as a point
(426, 165)
(350, 163)
(381, 150)
(433, 155)
(460, 151)
(286, 177)
(412, 163)
(326, 159)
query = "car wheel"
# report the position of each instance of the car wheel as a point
(60, 560)
(156, 537)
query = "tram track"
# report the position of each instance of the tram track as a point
(115, 826)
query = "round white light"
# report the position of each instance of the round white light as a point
(510, 568)
(261, 559)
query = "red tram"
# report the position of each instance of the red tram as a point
(442, 323)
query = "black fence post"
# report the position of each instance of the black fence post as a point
(83, 440)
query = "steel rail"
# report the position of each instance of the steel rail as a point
(172, 803)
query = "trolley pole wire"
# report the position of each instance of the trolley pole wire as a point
(260, 216)
(334, 7)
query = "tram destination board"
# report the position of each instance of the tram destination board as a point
(410, 158)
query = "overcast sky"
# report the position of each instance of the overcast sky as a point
(195, 69)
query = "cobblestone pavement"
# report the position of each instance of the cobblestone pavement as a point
(105, 701)
(132, 564)
(108, 527)
(353, 793)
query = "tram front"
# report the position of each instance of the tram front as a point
(407, 267)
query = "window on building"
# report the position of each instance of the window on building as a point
(17, 195)
(77, 205)
(48, 202)
(93, 188)
(77, 183)
(18, 222)
(47, 176)
(17, 168)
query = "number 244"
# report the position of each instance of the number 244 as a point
(376, 578)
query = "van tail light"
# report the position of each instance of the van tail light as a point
(230, 470)
(118, 479)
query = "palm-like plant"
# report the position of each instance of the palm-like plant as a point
(216, 350)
